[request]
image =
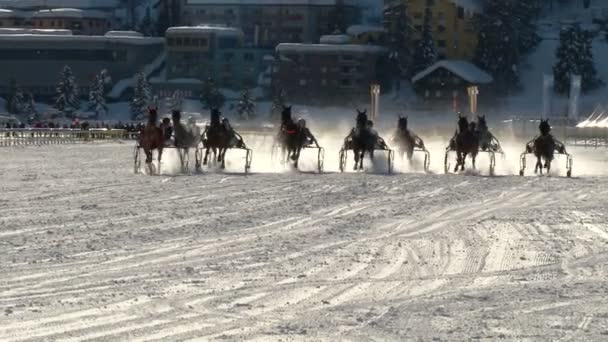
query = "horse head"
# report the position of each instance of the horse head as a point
(482, 124)
(152, 115)
(361, 118)
(544, 127)
(286, 115)
(463, 123)
(176, 116)
(402, 123)
(215, 116)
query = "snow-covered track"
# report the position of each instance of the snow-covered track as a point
(89, 251)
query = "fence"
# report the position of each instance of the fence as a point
(52, 136)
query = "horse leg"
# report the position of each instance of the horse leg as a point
(463, 161)
(206, 156)
(410, 155)
(539, 165)
(361, 159)
(458, 161)
(473, 157)
(223, 156)
(356, 159)
(297, 155)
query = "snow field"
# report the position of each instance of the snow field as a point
(90, 251)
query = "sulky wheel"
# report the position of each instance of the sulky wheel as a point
(522, 164)
(343, 156)
(446, 164)
(321, 159)
(248, 159)
(198, 159)
(137, 160)
(391, 161)
(492, 163)
(427, 161)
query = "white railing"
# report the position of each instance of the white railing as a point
(51, 136)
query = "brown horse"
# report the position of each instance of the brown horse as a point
(150, 139)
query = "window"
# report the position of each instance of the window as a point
(346, 70)
(248, 57)
(228, 56)
(323, 82)
(430, 2)
(441, 43)
(324, 70)
(346, 83)
(438, 93)
(178, 42)
(303, 83)
(170, 41)
(460, 12)
(187, 41)
(52, 23)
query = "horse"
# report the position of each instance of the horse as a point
(363, 138)
(290, 138)
(150, 139)
(407, 140)
(213, 136)
(465, 142)
(487, 141)
(544, 147)
(186, 137)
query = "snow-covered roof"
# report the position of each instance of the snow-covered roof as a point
(123, 34)
(69, 13)
(466, 70)
(335, 39)
(9, 31)
(7, 13)
(270, 2)
(205, 29)
(30, 4)
(330, 48)
(356, 30)
(268, 58)
(77, 38)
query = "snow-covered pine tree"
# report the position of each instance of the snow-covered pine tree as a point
(211, 96)
(278, 102)
(575, 57)
(246, 105)
(11, 105)
(147, 26)
(497, 49)
(97, 92)
(29, 107)
(524, 15)
(426, 52)
(67, 100)
(141, 97)
(399, 33)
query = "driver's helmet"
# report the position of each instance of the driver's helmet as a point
(166, 121)
(302, 123)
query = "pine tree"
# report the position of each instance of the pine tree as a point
(397, 24)
(141, 97)
(164, 19)
(147, 27)
(211, 96)
(29, 107)
(67, 100)
(426, 52)
(97, 100)
(13, 88)
(278, 102)
(246, 105)
(575, 57)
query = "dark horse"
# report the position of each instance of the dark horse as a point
(487, 141)
(407, 140)
(219, 137)
(544, 147)
(150, 139)
(465, 141)
(290, 138)
(363, 138)
(186, 137)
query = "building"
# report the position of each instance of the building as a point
(452, 24)
(266, 23)
(81, 16)
(35, 60)
(445, 83)
(197, 53)
(82, 22)
(329, 73)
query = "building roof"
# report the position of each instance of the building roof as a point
(270, 2)
(330, 48)
(123, 34)
(465, 70)
(335, 39)
(204, 29)
(32, 4)
(356, 30)
(7, 13)
(10, 30)
(69, 13)
(59, 37)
